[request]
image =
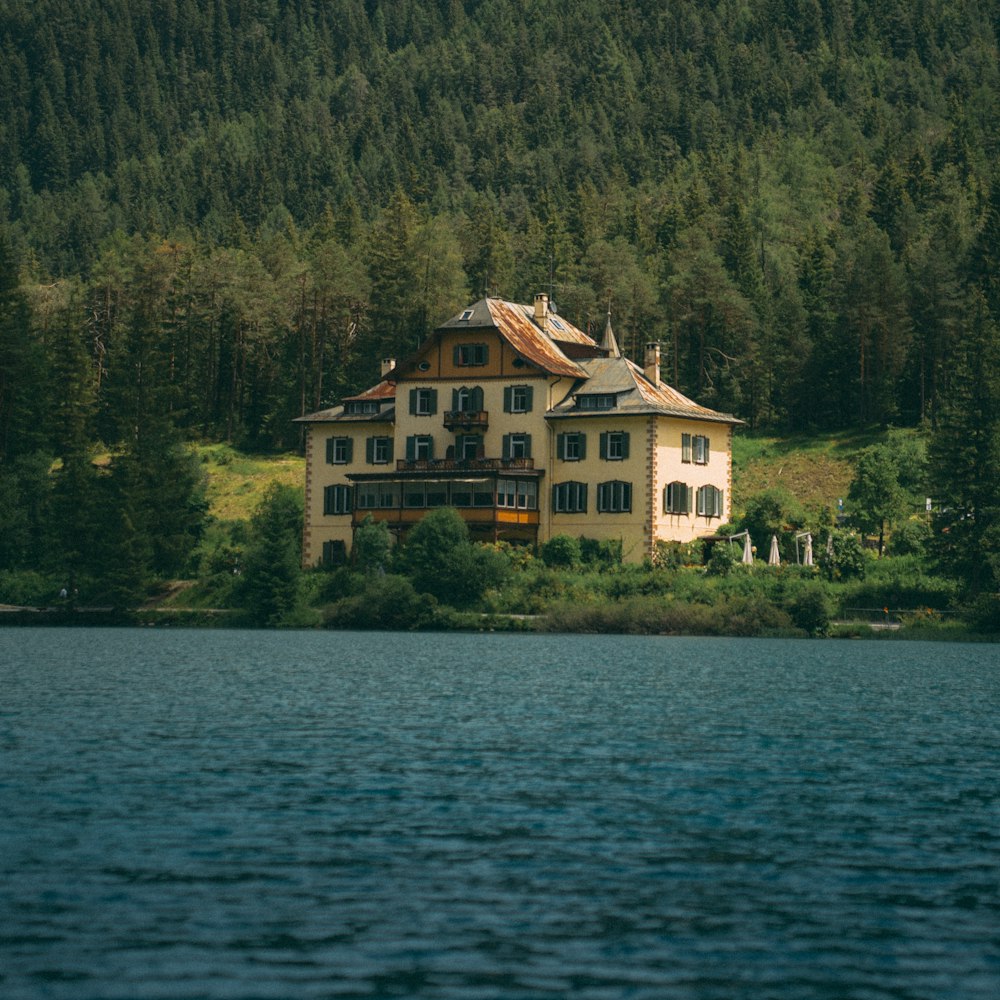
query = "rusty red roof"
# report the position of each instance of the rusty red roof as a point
(532, 343)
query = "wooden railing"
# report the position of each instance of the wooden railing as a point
(465, 465)
(468, 420)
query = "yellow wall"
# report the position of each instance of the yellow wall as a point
(668, 467)
(320, 527)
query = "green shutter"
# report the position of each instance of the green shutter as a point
(706, 450)
(349, 451)
(413, 401)
(527, 446)
(430, 448)
(506, 446)
(508, 398)
(456, 355)
(329, 451)
(561, 446)
(477, 398)
(529, 397)
(370, 451)
(625, 444)
(434, 401)
(411, 448)
(604, 444)
(388, 454)
(685, 447)
(454, 399)
(582, 439)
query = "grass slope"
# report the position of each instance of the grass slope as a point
(816, 469)
(237, 481)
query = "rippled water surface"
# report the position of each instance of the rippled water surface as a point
(264, 815)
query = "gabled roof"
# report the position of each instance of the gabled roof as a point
(516, 324)
(635, 394)
(383, 393)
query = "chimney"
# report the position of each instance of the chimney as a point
(387, 366)
(542, 310)
(651, 369)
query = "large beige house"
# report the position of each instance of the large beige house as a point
(530, 429)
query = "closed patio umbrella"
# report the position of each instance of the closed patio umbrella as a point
(807, 559)
(774, 559)
(747, 550)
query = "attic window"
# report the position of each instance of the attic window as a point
(466, 316)
(363, 406)
(596, 401)
(556, 323)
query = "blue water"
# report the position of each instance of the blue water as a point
(287, 815)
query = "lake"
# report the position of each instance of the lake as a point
(226, 814)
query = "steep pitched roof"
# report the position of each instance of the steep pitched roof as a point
(516, 324)
(634, 393)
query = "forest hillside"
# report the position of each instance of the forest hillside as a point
(218, 214)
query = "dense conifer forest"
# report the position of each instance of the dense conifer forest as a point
(218, 214)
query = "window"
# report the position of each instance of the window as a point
(469, 446)
(334, 553)
(376, 496)
(362, 406)
(337, 500)
(614, 497)
(467, 355)
(569, 498)
(339, 450)
(423, 402)
(676, 498)
(378, 450)
(694, 449)
(517, 398)
(466, 400)
(709, 501)
(614, 445)
(466, 316)
(419, 448)
(519, 494)
(596, 401)
(516, 446)
(571, 446)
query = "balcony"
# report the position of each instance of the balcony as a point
(466, 465)
(466, 420)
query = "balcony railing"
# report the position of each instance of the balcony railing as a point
(465, 465)
(467, 420)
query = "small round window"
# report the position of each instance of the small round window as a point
(424, 366)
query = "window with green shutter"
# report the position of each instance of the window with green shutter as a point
(571, 446)
(614, 445)
(517, 446)
(518, 398)
(339, 450)
(614, 497)
(423, 402)
(676, 498)
(378, 450)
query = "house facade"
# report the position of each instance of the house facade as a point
(528, 428)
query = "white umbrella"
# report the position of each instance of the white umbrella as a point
(747, 549)
(774, 559)
(807, 559)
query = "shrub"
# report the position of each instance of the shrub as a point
(847, 560)
(810, 608)
(722, 560)
(372, 545)
(386, 602)
(561, 551)
(909, 538)
(604, 554)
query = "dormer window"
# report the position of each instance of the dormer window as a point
(596, 401)
(362, 406)
(466, 316)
